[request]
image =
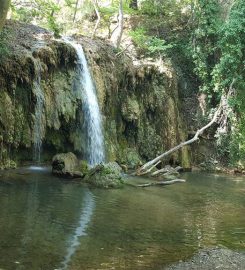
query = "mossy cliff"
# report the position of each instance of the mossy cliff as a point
(139, 101)
(140, 104)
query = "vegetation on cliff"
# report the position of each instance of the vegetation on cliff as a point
(204, 40)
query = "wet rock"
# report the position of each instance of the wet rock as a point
(179, 169)
(105, 176)
(66, 165)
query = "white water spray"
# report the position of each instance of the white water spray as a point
(92, 117)
(38, 125)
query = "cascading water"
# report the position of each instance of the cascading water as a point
(92, 117)
(38, 125)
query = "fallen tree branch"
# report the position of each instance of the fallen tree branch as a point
(151, 168)
(162, 183)
(174, 149)
(222, 107)
(124, 50)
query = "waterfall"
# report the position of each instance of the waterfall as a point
(38, 125)
(91, 111)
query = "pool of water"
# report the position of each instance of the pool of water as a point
(47, 223)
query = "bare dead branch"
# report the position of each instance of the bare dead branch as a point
(162, 183)
(96, 8)
(222, 107)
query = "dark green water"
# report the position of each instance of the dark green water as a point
(48, 224)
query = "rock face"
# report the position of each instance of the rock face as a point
(139, 101)
(31, 53)
(140, 104)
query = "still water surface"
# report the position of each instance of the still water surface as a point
(47, 223)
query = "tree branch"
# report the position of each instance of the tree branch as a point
(223, 104)
(162, 183)
(96, 8)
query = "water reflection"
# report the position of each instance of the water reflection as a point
(87, 211)
(38, 216)
(46, 223)
(38, 168)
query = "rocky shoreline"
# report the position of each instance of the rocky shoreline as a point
(212, 258)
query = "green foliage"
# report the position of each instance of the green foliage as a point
(230, 68)
(157, 45)
(139, 36)
(232, 45)
(204, 42)
(41, 10)
(148, 44)
(3, 45)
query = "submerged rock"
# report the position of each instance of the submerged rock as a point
(105, 176)
(66, 165)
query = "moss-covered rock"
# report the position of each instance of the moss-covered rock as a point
(83, 167)
(66, 165)
(105, 176)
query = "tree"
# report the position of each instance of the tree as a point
(4, 6)
(133, 4)
(75, 11)
(96, 8)
(116, 36)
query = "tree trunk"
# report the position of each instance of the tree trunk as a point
(52, 12)
(116, 36)
(96, 7)
(75, 11)
(4, 6)
(133, 4)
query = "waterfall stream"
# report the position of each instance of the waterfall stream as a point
(91, 111)
(38, 125)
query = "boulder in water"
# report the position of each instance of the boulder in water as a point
(105, 176)
(66, 165)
